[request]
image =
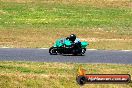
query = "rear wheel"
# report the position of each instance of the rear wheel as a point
(53, 51)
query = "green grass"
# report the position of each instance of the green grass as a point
(57, 15)
(55, 75)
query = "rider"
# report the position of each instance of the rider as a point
(73, 38)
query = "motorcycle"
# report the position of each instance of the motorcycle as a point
(65, 46)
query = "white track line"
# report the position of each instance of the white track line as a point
(48, 48)
(5, 47)
(126, 50)
(43, 48)
(89, 49)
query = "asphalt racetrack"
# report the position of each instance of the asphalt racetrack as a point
(42, 55)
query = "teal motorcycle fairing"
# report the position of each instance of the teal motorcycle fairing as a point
(65, 46)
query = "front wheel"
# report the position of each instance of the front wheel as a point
(53, 51)
(83, 51)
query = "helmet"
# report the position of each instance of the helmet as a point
(72, 37)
